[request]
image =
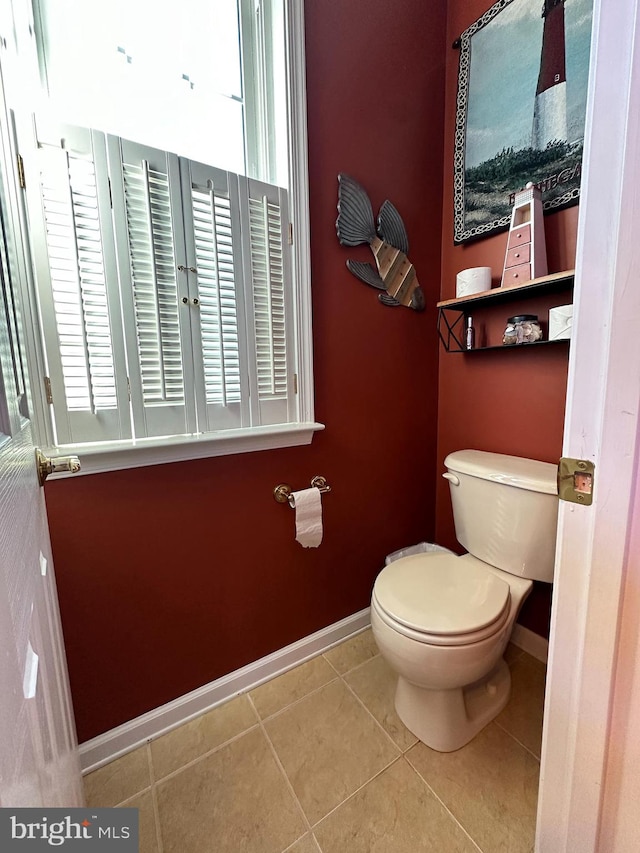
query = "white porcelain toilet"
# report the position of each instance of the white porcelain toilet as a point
(442, 622)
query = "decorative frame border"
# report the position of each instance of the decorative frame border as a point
(460, 233)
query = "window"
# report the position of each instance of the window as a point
(205, 78)
(172, 295)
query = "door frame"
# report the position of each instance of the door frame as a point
(601, 425)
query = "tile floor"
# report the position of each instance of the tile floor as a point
(317, 761)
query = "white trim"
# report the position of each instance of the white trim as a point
(530, 642)
(110, 745)
(119, 455)
(299, 203)
(601, 425)
(301, 424)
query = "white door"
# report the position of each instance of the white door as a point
(39, 763)
(602, 425)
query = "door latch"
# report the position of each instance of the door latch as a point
(576, 480)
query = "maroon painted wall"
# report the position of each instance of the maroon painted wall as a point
(502, 401)
(172, 576)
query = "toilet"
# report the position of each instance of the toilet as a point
(443, 621)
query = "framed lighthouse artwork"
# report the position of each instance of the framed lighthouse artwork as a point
(522, 92)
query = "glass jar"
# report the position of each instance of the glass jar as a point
(522, 329)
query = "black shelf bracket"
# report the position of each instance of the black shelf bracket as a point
(451, 328)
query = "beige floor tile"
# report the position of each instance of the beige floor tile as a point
(119, 780)
(293, 685)
(305, 845)
(375, 685)
(352, 652)
(146, 821)
(394, 813)
(512, 653)
(329, 746)
(523, 715)
(233, 800)
(490, 786)
(189, 741)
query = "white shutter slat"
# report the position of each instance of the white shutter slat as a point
(149, 228)
(154, 283)
(213, 249)
(78, 283)
(216, 288)
(267, 258)
(76, 277)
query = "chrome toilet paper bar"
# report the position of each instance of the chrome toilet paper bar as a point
(283, 493)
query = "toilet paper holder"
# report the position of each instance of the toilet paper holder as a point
(283, 493)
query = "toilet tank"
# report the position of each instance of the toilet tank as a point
(505, 510)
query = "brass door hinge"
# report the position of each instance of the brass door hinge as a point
(21, 178)
(47, 390)
(290, 237)
(295, 383)
(576, 480)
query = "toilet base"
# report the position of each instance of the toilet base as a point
(446, 720)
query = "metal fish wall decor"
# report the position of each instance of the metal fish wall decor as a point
(395, 274)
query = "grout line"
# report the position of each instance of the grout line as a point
(286, 777)
(345, 640)
(353, 793)
(207, 754)
(444, 806)
(125, 803)
(156, 812)
(519, 742)
(291, 704)
(152, 775)
(154, 800)
(307, 834)
(357, 666)
(317, 843)
(376, 721)
(330, 664)
(396, 758)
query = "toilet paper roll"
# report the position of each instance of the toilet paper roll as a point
(560, 322)
(308, 508)
(473, 280)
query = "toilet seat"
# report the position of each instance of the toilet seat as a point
(441, 599)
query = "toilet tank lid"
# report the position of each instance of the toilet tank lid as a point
(515, 471)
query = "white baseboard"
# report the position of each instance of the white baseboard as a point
(116, 742)
(529, 642)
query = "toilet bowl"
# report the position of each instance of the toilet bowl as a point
(442, 622)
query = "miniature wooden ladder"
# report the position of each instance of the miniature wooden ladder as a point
(526, 256)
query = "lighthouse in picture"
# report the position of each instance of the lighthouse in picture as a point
(550, 109)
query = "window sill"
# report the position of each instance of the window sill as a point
(120, 455)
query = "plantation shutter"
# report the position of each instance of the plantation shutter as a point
(165, 289)
(70, 225)
(216, 295)
(268, 270)
(150, 240)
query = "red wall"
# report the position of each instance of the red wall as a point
(502, 401)
(172, 576)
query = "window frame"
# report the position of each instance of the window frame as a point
(130, 453)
